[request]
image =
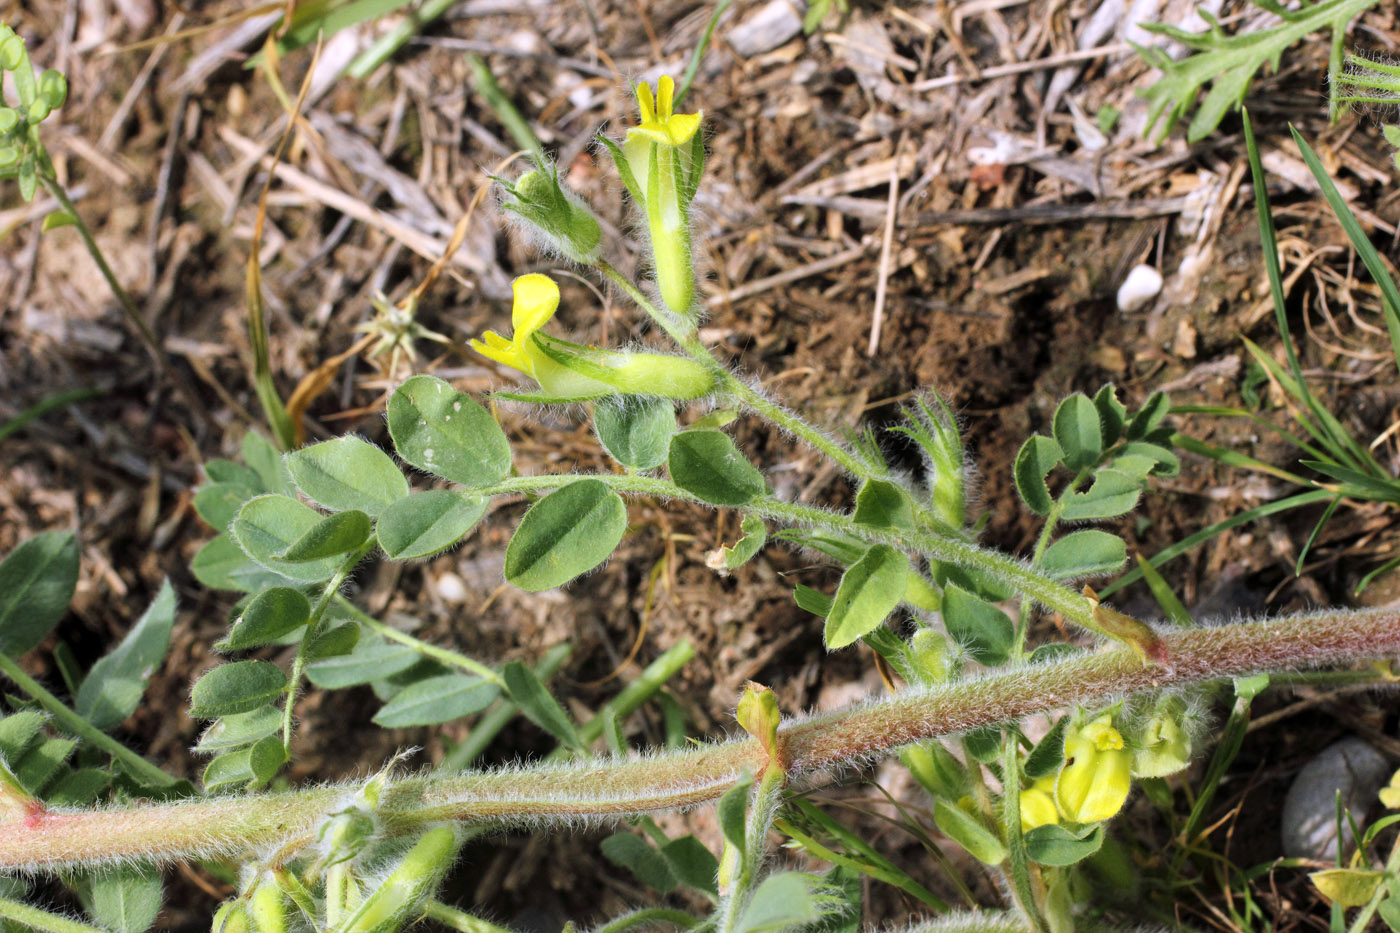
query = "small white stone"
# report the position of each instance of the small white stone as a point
(1142, 285)
(1308, 823)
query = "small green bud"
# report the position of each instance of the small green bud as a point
(231, 917)
(401, 894)
(9, 119)
(268, 909)
(38, 110)
(53, 88)
(1162, 744)
(9, 155)
(11, 52)
(928, 654)
(935, 768)
(559, 214)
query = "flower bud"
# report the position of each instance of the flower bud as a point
(1038, 804)
(560, 215)
(268, 909)
(53, 88)
(1163, 744)
(928, 654)
(1094, 782)
(231, 917)
(402, 893)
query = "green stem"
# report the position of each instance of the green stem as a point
(313, 628)
(44, 406)
(1049, 593)
(1019, 863)
(133, 313)
(652, 679)
(651, 916)
(486, 729)
(763, 807)
(684, 336)
(70, 722)
(454, 919)
(444, 655)
(36, 919)
(567, 793)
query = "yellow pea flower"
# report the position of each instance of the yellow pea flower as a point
(1390, 795)
(658, 122)
(1094, 782)
(572, 372)
(1038, 804)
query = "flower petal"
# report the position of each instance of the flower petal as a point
(536, 300)
(665, 94)
(645, 104)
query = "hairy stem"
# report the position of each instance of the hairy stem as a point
(564, 794)
(442, 655)
(36, 919)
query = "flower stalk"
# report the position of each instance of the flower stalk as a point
(563, 794)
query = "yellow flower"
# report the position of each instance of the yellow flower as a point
(1390, 796)
(1094, 782)
(571, 372)
(659, 123)
(1038, 804)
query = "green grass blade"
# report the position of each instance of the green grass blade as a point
(1234, 521)
(1233, 458)
(1366, 580)
(1323, 426)
(1317, 529)
(694, 65)
(1162, 592)
(44, 406)
(1357, 485)
(511, 119)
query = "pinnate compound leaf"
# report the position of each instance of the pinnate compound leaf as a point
(1078, 432)
(967, 831)
(113, 688)
(125, 900)
(707, 464)
(236, 688)
(347, 473)
(1113, 493)
(1054, 845)
(437, 700)
(869, 591)
(268, 525)
(635, 431)
(882, 504)
(337, 534)
(273, 613)
(1036, 458)
(565, 534)
(444, 432)
(1084, 554)
(539, 705)
(37, 580)
(240, 729)
(425, 523)
(372, 659)
(982, 628)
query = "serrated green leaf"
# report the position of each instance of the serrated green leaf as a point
(882, 504)
(372, 659)
(1084, 554)
(113, 688)
(437, 700)
(1078, 432)
(984, 630)
(333, 536)
(968, 832)
(240, 729)
(37, 580)
(869, 591)
(1053, 844)
(268, 525)
(272, 614)
(236, 688)
(426, 523)
(539, 705)
(708, 465)
(636, 431)
(1036, 458)
(347, 473)
(565, 534)
(1113, 493)
(444, 432)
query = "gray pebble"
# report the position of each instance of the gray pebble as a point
(1309, 824)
